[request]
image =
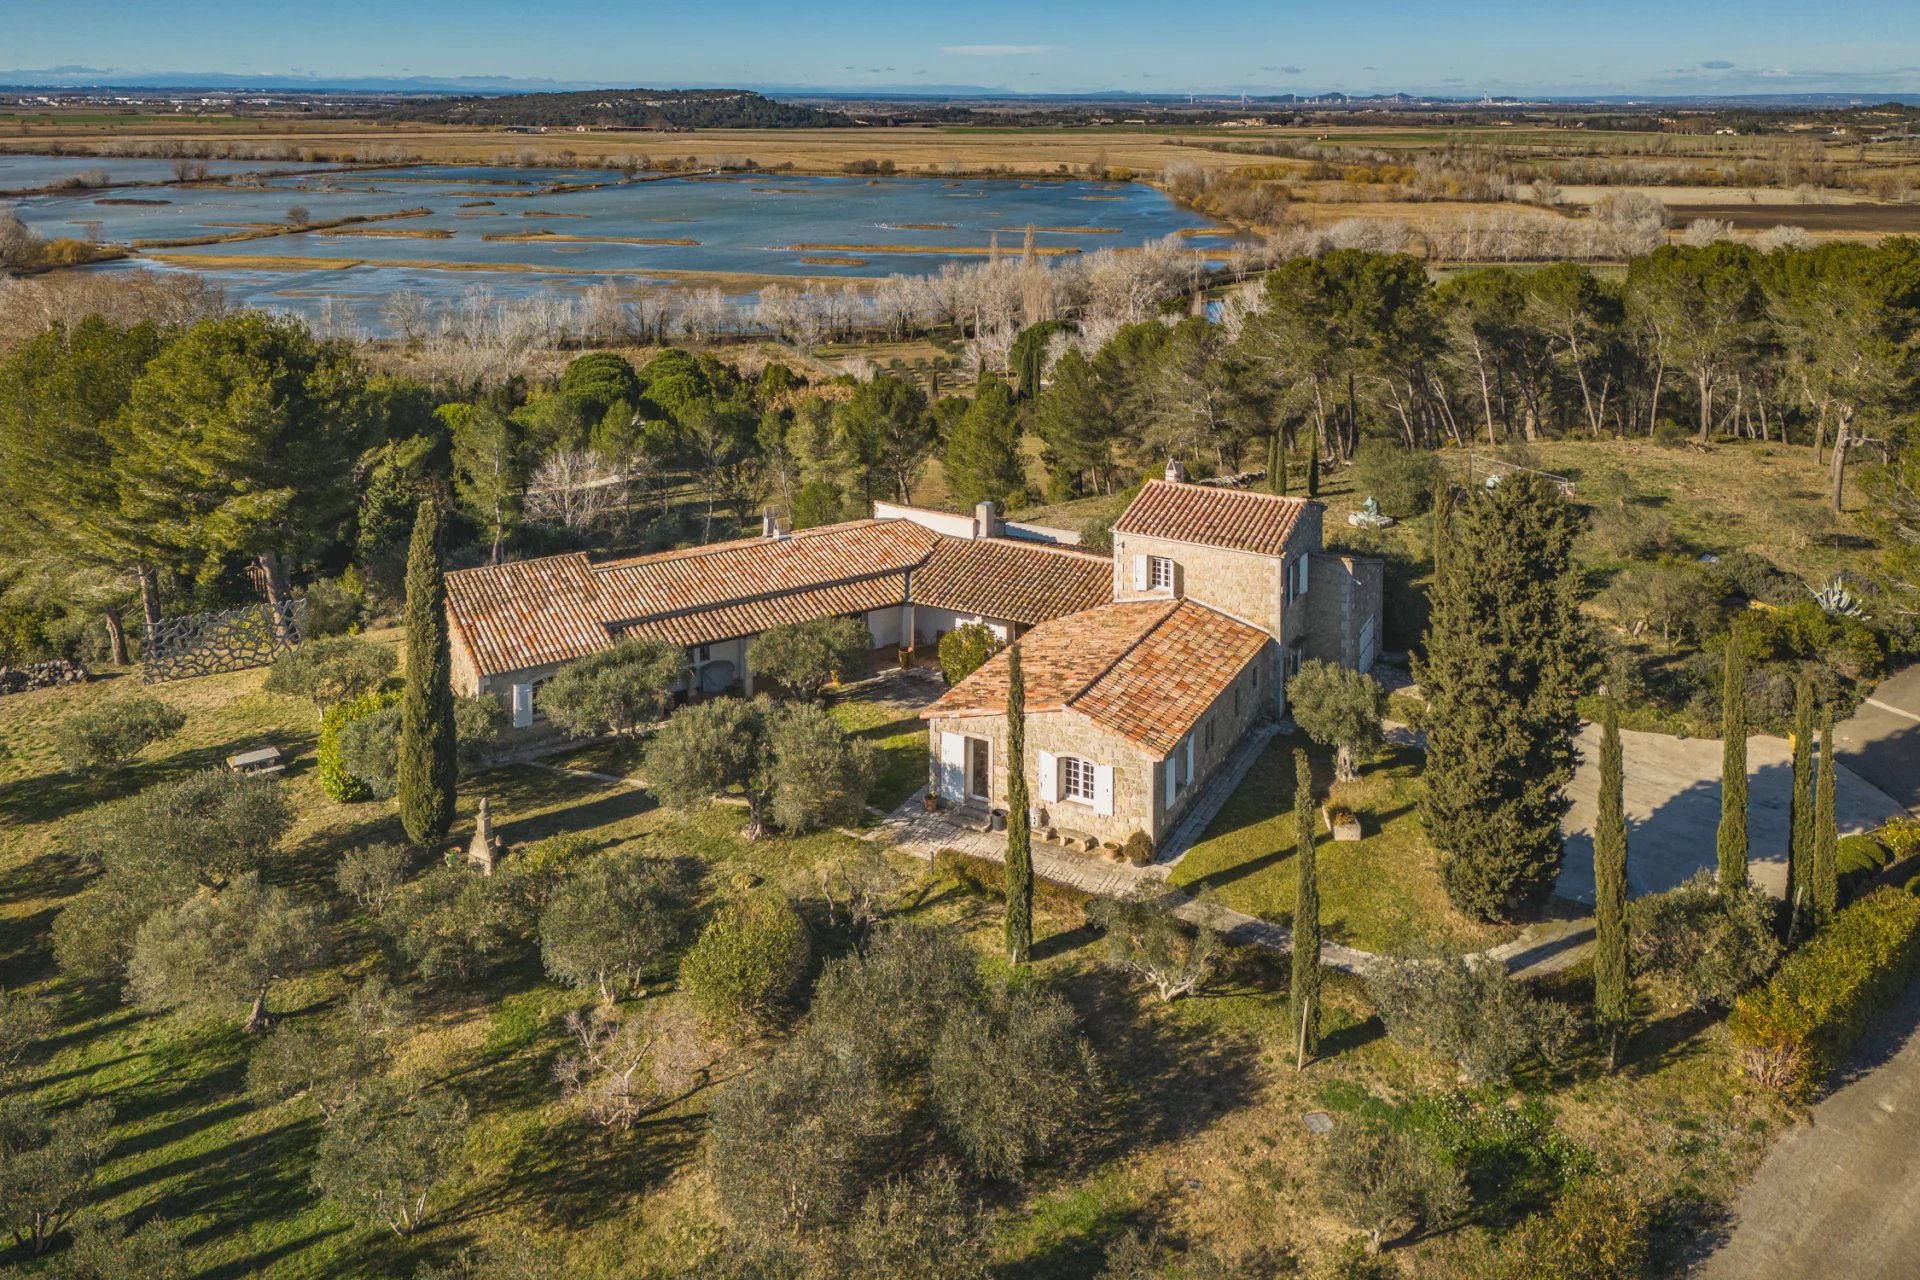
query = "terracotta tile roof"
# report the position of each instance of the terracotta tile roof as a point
(1146, 670)
(1234, 518)
(746, 617)
(1021, 582)
(527, 613)
(534, 612)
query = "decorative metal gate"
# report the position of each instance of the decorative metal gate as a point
(207, 644)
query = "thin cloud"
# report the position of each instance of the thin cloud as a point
(1717, 65)
(994, 50)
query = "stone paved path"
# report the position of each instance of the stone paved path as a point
(912, 830)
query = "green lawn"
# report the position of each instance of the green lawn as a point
(899, 740)
(1380, 893)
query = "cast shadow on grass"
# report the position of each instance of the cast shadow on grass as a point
(1082, 1255)
(574, 1174)
(49, 797)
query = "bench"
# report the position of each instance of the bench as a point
(260, 762)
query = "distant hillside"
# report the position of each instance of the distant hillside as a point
(625, 108)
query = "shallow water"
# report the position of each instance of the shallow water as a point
(741, 224)
(23, 172)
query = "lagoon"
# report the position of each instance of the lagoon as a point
(443, 229)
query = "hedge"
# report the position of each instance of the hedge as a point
(1793, 1032)
(334, 778)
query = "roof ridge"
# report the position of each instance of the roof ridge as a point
(731, 544)
(1171, 607)
(770, 594)
(515, 564)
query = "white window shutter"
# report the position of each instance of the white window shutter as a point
(1140, 573)
(1103, 789)
(953, 766)
(522, 705)
(1049, 777)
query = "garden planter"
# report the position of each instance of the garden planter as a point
(1344, 826)
(932, 802)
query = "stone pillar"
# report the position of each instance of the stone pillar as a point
(484, 849)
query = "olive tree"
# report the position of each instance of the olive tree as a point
(330, 670)
(616, 690)
(369, 744)
(1143, 938)
(1475, 1013)
(23, 1022)
(451, 923)
(1339, 708)
(215, 956)
(113, 733)
(806, 656)
(105, 1249)
(1013, 1082)
(612, 924)
(202, 832)
(48, 1160)
(1702, 943)
(1388, 1183)
(386, 1153)
(334, 1059)
(797, 768)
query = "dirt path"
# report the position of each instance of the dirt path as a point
(1840, 1195)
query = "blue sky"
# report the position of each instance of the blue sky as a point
(1471, 47)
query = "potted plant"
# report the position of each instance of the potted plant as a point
(1341, 821)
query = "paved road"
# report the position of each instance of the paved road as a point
(1672, 790)
(1881, 742)
(1840, 1196)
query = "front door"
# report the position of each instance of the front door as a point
(979, 766)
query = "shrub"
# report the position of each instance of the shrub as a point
(1401, 480)
(335, 606)
(1901, 836)
(372, 875)
(451, 923)
(1476, 1014)
(336, 779)
(746, 961)
(1013, 1082)
(609, 926)
(114, 732)
(965, 649)
(1795, 1030)
(1597, 1230)
(1858, 859)
(1758, 578)
(1702, 946)
(369, 745)
(1138, 850)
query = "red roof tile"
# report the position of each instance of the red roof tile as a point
(1238, 519)
(1022, 582)
(535, 612)
(1146, 670)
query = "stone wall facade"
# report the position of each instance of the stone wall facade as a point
(1343, 594)
(1139, 781)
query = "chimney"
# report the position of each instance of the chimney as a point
(1176, 471)
(986, 521)
(770, 523)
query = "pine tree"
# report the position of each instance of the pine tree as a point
(1019, 830)
(1825, 886)
(427, 764)
(1506, 658)
(1800, 811)
(1304, 989)
(1612, 995)
(1732, 842)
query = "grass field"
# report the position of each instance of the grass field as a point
(1201, 1138)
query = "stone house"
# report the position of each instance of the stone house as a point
(1218, 596)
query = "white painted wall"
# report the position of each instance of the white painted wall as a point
(929, 622)
(947, 522)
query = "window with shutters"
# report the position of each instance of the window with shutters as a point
(1159, 573)
(1076, 779)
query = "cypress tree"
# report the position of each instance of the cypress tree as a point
(1612, 995)
(1313, 467)
(1825, 887)
(1019, 832)
(1304, 989)
(1732, 842)
(1506, 657)
(1442, 528)
(1277, 463)
(427, 764)
(1800, 811)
